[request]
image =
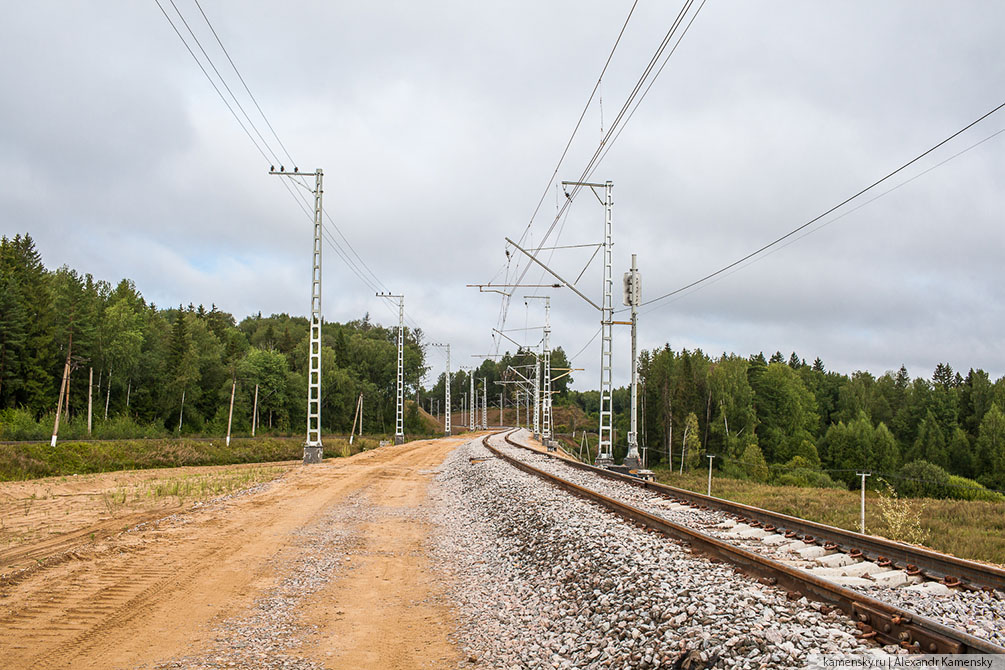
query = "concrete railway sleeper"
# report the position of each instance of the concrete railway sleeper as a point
(979, 612)
(931, 565)
(875, 619)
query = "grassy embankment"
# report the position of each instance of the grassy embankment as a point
(967, 529)
(34, 460)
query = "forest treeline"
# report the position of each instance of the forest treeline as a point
(167, 371)
(777, 419)
(797, 423)
(147, 360)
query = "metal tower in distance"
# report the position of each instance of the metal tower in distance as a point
(313, 449)
(446, 391)
(399, 412)
(633, 297)
(605, 451)
(546, 425)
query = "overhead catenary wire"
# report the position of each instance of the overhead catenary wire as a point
(829, 211)
(504, 302)
(243, 83)
(579, 121)
(644, 82)
(345, 250)
(646, 92)
(823, 225)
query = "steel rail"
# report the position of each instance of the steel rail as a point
(873, 618)
(930, 564)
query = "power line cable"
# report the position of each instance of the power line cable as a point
(822, 225)
(243, 83)
(222, 80)
(579, 121)
(210, 80)
(614, 131)
(829, 211)
(299, 197)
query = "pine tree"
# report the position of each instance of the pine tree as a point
(753, 463)
(13, 337)
(943, 376)
(931, 443)
(691, 455)
(23, 264)
(991, 444)
(885, 450)
(961, 454)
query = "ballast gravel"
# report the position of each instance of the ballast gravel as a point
(545, 580)
(979, 613)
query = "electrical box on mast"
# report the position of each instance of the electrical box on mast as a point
(632, 284)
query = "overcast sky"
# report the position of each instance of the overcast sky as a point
(438, 126)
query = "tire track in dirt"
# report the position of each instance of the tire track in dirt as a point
(160, 591)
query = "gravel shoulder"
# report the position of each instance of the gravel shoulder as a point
(979, 613)
(544, 580)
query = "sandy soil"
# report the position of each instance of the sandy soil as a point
(42, 519)
(103, 597)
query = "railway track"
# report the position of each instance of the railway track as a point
(918, 561)
(875, 619)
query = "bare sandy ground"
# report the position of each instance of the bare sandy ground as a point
(130, 580)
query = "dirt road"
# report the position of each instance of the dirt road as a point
(325, 566)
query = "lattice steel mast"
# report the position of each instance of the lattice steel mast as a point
(485, 403)
(399, 410)
(313, 448)
(544, 397)
(537, 397)
(633, 296)
(446, 393)
(605, 453)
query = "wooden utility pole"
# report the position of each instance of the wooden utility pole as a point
(230, 416)
(254, 413)
(108, 392)
(62, 391)
(90, 390)
(355, 416)
(181, 412)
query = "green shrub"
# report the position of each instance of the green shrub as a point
(800, 471)
(961, 488)
(19, 424)
(126, 427)
(921, 479)
(753, 465)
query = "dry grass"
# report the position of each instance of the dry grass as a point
(969, 529)
(189, 487)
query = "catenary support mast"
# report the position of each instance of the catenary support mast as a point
(544, 397)
(313, 448)
(399, 410)
(446, 391)
(605, 453)
(633, 296)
